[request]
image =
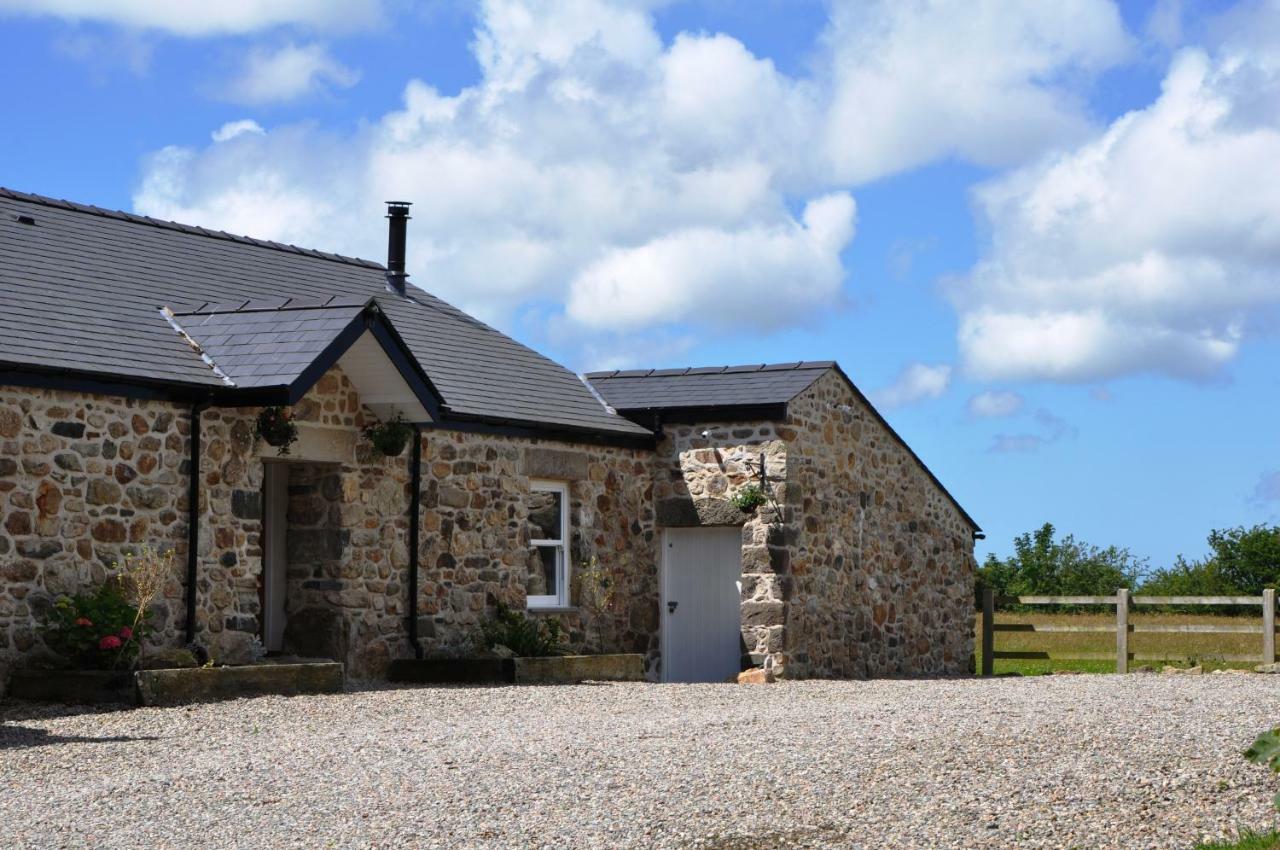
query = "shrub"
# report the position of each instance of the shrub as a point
(748, 498)
(525, 636)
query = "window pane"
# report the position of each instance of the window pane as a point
(544, 571)
(544, 515)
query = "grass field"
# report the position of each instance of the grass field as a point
(1176, 649)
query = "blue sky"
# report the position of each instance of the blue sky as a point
(1040, 236)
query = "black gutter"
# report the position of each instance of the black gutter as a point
(193, 517)
(564, 434)
(415, 504)
(705, 413)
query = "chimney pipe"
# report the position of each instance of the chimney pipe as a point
(398, 219)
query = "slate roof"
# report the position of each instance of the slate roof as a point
(709, 389)
(268, 344)
(81, 288)
(715, 386)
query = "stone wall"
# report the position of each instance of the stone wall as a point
(475, 536)
(698, 469)
(881, 561)
(858, 566)
(83, 481)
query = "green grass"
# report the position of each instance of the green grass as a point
(1248, 840)
(1177, 649)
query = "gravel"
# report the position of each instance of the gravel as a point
(1062, 761)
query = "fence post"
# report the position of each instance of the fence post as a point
(988, 630)
(1269, 626)
(1122, 630)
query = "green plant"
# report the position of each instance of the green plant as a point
(1247, 840)
(104, 628)
(1042, 565)
(275, 425)
(98, 630)
(748, 498)
(525, 636)
(389, 437)
(1266, 750)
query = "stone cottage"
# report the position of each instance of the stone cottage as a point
(137, 354)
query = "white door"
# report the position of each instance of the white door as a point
(275, 505)
(701, 604)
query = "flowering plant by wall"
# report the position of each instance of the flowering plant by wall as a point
(102, 629)
(97, 630)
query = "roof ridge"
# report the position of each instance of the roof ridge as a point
(682, 371)
(194, 230)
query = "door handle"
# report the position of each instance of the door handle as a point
(671, 607)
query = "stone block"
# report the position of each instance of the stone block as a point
(39, 549)
(568, 669)
(764, 613)
(246, 504)
(685, 512)
(211, 684)
(74, 430)
(555, 464)
(310, 545)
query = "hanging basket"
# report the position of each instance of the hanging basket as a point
(390, 437)
(276, 428)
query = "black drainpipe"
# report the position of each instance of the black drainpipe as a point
(193, 517)
(415, 503)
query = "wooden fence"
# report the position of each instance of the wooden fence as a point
(1122, 628)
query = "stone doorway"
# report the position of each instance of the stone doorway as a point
(305, 550)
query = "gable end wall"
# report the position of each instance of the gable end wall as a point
(882, 566)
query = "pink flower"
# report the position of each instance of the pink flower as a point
(109, 642)
(126, 633)
(84, 621)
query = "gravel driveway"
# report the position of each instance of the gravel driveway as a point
(1064, 761)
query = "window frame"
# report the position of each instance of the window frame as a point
(561, 598)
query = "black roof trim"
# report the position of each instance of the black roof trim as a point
(69, 380)
(537, 431)
(182, 228)
(708, 413)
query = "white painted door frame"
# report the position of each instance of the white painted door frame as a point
(275, 557)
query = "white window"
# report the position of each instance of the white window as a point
(548, 540)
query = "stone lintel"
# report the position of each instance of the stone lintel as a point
(684, 512)
(555, 464)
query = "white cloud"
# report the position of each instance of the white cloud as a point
(1152, 248)
(986, 80)
(203, 18)
(778, 273)
(993, 404)
(288, 73)
(642, 184)
(916, 382)
(231, 129)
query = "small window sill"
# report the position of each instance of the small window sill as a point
(553, 609)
